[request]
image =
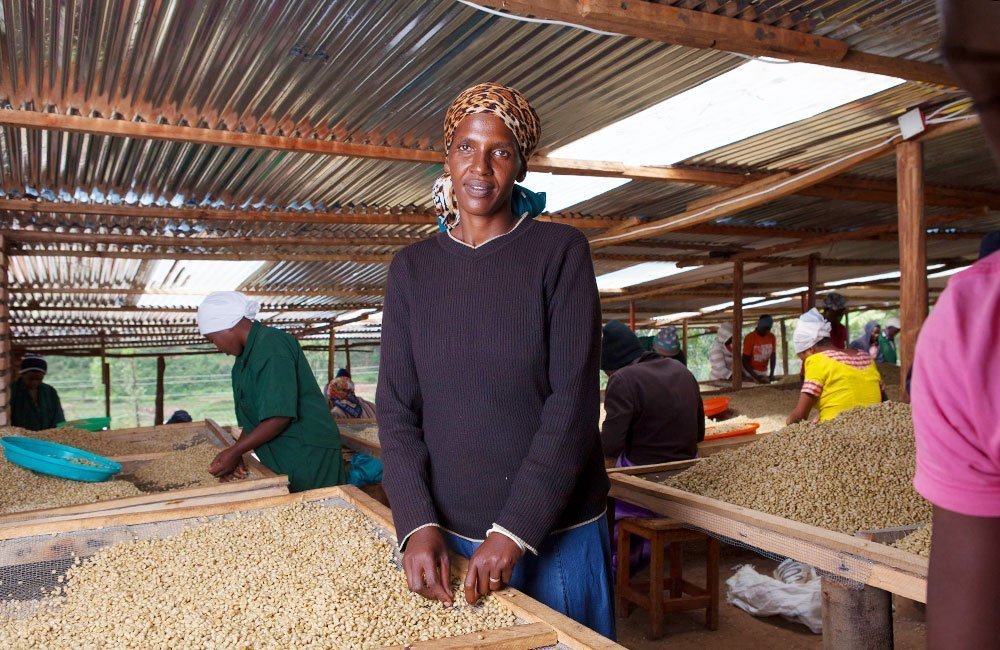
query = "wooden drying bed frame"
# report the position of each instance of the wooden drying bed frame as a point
(374, 448)
(268, 484)
(540, 627)
(354, 442)
(851, 616)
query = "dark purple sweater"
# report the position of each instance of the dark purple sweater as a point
(488, 387)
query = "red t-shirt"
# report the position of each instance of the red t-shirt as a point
(838, 335)
(759, 349)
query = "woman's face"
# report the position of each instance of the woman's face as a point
(484, 163)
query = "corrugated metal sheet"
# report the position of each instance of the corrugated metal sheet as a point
(961, 159)
(382, 70)
(826, 136)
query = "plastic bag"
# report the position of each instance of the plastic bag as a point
(364, 470)
(762, 595)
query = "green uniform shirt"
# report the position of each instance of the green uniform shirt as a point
(26, 414)
(271, 378)
(886, 350)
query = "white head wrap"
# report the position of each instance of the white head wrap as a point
(223, 309)
(812, 329)
(892, 322)
(724, 333)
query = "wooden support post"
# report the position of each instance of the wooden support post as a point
(856, 616)
(684, 338)
(106, 379)
(347, 355)
(6, 358)
(811, 292)
(737, 325)
(161, 367)
(631, 314)
(784, 348)
(331, 363)
(912, 252)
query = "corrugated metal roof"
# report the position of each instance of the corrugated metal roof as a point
(383, 72)
(826, 136)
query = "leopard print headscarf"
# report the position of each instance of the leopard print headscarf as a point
(515, 111)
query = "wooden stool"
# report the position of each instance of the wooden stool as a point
(683, 595)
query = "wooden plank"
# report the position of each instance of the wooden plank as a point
(858, 234)
(704, 30)
(844, 556)
(567, 631)
(737, 325)
(223, 492)
(912, 253)
(517, 637)
(357, 443)
(773, 187)
(654, 468)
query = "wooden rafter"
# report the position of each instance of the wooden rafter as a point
(728, 203)
(670, 24)
(183, 310)
(870, 190)
(860, 233)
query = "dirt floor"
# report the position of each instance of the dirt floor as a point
(737, 629)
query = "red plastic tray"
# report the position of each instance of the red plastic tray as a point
(715, 405)
(751, 427)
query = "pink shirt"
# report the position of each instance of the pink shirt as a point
(956, 395)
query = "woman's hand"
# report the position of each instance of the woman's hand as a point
(238, 474)
(425, 561)
(491, 566)
(225, 462)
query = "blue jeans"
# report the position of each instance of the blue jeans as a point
(571, 574)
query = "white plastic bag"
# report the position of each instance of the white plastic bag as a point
(762, 595)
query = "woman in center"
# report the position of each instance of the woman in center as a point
(488, 390)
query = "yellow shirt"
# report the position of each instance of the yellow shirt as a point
(841, 380)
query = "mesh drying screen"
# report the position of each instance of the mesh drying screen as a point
(32, 567)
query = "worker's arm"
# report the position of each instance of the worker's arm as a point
(774, 364)
(748, 368)
(228, 460)
(802, 409)
(963, 588)
(619, 408)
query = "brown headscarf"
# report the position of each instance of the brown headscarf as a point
(515, 111)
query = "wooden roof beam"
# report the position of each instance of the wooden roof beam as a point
(178, 310)
(760, 192)
(847, 188)
(690, 28)
(849, 235)
(332, 292)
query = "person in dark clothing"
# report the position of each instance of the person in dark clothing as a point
(34, 405)
(653, 404)
(488, 395)
(654, 414)
(180, 417)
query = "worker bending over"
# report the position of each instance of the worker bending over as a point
(654, 414)
(278, 402)
(835, 380)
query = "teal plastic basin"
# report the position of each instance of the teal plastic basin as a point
(54, 459)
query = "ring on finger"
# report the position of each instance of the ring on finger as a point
(494, 580)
